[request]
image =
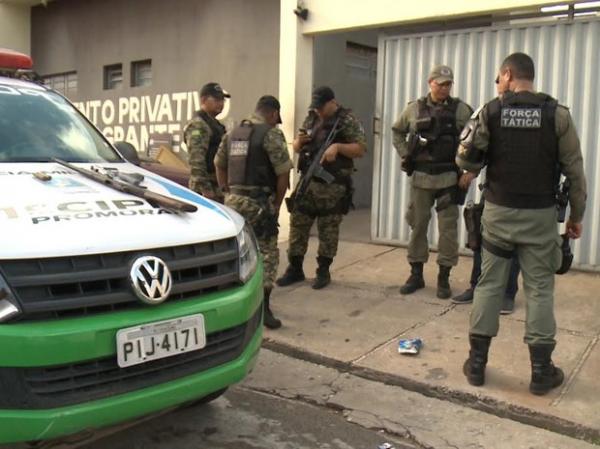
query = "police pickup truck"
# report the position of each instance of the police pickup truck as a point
(121, 293)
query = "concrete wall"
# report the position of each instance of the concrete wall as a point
(353, 92)
(190, 42)
(15, 28)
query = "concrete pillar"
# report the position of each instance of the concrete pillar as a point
(295, 82)
(295, 69)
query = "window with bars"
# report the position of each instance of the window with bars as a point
(113, 76)
(141, 73)
(65, 83)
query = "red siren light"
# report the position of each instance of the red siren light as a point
(13, 60)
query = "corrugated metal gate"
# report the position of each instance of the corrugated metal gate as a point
(567, 60)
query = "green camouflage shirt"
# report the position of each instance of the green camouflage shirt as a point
(274, 144)
(196, 135)
(351, 129)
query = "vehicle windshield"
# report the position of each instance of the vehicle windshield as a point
(39, 125)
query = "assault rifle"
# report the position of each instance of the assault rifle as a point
(129, 183)
(315, 169)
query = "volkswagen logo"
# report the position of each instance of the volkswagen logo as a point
(151, 279)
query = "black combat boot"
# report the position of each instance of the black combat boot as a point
(544, 375)
(474, 366)
(443, 284)
(323, 277)
(415, 281)
(465, 297)
(269, 319)
(293, 272)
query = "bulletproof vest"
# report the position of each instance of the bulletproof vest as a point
(248, 163)
(215, 139)
(319, 132)
(522, 167)
(437, 124)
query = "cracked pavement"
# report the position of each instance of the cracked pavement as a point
(417, 420)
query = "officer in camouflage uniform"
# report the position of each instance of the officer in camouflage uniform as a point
(327, 203)
(426, 138)
(253, 168)
(526, 139)
(202, 135)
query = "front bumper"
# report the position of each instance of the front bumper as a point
(59, 343)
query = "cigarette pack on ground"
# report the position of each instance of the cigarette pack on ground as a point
(410, 346)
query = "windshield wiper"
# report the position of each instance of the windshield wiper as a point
(118, 183)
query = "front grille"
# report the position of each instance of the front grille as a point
(58, 386)
(81, 285)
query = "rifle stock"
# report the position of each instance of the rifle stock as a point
(131, 189)
(315, 169)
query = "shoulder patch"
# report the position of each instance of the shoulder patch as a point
(476, 112)
(275, 133)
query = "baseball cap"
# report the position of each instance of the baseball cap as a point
(269, 102)
(214, 90)
(320, 96)
(441, 74)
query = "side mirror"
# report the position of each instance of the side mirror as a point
(128, 151)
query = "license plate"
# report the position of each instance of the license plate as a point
(153, 341)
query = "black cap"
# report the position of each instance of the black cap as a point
(269, 102)
(320, 96)
(213, 90)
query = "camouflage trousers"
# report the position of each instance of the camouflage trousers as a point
(318, 203)
(252, 211)
(212, 187)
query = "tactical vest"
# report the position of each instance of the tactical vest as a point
(437, 124)
(215, 139)
(319, 132)
(248, 163)
(522, 166)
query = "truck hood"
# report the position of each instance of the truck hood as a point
(70, 214)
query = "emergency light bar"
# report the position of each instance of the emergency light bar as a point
(12, 60)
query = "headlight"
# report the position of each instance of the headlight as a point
(248, 251)
(8, 304)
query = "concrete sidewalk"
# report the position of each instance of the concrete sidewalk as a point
(355, 324)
